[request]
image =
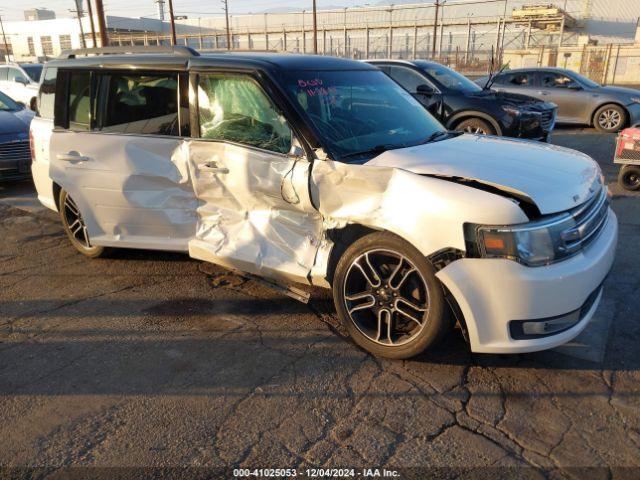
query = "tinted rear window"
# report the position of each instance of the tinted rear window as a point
(143, 104)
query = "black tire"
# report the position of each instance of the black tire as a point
(610, 118)
(407, 276)
(477, 126)
(629, 177)
(75, 228)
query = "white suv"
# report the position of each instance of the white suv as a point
(20, 82)
(323, 171)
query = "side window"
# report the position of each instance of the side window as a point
(407, 78)
(236, 109)
(79, 101)
(556, 80)
(517, 80)
(14, 73)
(47, 93)
(139, 104)
(3, 73)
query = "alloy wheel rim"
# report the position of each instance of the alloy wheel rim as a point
(474, 129)
(75, 223)
(386, 297)
(610, 119)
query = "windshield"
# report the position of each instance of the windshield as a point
(449, 78)
(360, 111)
(33, 71)
(8, 105)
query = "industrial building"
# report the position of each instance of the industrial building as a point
(38, 40)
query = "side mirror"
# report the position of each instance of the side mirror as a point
(425, 89)
(22, 105)
(574, 86)
(22, 80)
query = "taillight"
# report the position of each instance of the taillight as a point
(32, 146)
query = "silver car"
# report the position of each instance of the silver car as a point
(579, 99)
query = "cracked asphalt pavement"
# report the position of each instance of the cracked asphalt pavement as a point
(148, 359)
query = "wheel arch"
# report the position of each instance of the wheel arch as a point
(342, 238)
(56, 194)
(467, 114)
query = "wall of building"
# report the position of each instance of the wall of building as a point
(33, 41)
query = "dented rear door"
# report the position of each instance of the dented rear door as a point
(123, 161)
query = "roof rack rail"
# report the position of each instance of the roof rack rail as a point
(179, 50)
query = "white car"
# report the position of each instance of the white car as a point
(323, 171)
(20, 82)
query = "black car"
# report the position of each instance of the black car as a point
(15, 155)
(460, 104)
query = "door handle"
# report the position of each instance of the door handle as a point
(213, 168)
(542, 92)
(72, 157)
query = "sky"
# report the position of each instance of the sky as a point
(12, 10)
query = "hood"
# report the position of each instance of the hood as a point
(554, 178)
(515, 99)
(15, 122)
(631, 92)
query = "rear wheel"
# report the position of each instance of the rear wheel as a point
(610, 118)
(477, 126)
(629, 177)
(388, 297)
(74, 226)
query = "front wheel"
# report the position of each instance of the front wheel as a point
(74, 226)
(388, 297)
(477, 126)
(629, 177)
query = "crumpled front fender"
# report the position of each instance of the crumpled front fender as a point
(427, 212)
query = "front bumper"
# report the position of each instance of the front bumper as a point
(634, 114)
(492, 293)
(15, 170)
(536, 125)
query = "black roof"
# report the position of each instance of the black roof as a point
(256, 60)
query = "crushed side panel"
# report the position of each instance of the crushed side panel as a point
(256, 217)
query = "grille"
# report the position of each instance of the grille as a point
(15, 152)
(590, 219)
(548, 119)
(15, 159)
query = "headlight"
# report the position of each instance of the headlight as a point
(533, 244)
(511, 110)
(635, 99)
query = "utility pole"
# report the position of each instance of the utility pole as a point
(78, 12)
(226, 15)
(4, 39)
(173, 23)
(93, 27)
(102, 24)
(435, 28)
(315, 28)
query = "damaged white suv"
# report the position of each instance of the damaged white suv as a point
(323, 171)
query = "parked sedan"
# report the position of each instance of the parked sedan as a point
(462, 105)
(20, 82)
(15, 157)
(580, 100)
